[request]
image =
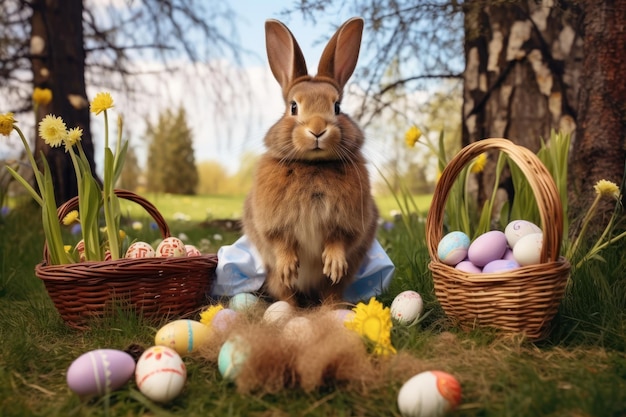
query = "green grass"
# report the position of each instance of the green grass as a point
(580, 370)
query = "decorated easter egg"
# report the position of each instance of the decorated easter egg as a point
(224, 319)
(80, 248)
(500, 265)
(407, 307)
(243, 301)
(527, 251)
(517, 229)
(453, 247)
(429, 394)
(467, 266)
(184, 336)
(140, 250)
(278, 312)
(100, 371)
(232, 356)
(160, 374)
(192, 250)
(486, 248)
(171, 247)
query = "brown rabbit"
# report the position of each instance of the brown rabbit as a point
(310, 212)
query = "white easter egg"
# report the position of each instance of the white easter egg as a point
(517, 229)
(184, 336)
(429, 394)
(278, 312)
(171, 247)
(231, 358)
(243, 301)
(453, 247)
(100, 371)
(160, 374)
(140, 250)
(407, 307)
(527, 251)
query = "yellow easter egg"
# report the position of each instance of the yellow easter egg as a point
(184, 336)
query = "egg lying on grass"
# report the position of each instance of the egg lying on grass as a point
(100, 371)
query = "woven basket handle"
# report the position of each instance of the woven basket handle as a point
(539, 178)
(72, 204)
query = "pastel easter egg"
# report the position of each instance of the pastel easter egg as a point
(517, 229)
(453, 247)
(140, 250)
(184, 336)
(429, 394)
(192, 250)
(527, 251)
(160, 374)
(80, 248)
(243, 301)
(486, 248)
(407, 306)
(278, 312)
(224, 319)
(231, 358)
(171, 247)
(100, 371)
(508, 254)
(467, 266)
(500, 265)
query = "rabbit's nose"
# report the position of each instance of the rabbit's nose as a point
(316, 126)
(317, 135)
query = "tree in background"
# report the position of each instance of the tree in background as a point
(131, 176)
(171, 161)
(67, 45)
(528, 67)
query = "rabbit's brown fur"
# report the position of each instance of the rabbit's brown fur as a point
(310, 212)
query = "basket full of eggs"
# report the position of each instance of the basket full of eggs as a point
(512, 280)
(168, 281)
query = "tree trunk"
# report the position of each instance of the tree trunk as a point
(58, 63)
(521, 75)
(599, 149)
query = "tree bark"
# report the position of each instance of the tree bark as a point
(58, 63)
(598, 151)
(521, 76)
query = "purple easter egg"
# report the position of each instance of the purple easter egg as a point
(500, 265)
(100, 371)
(467, 266)
(486, 248)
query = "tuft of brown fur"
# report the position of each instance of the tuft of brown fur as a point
(324, 354)
(310, 212)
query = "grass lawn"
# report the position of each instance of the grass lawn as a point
(580, 370)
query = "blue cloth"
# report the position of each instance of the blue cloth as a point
(240, 269)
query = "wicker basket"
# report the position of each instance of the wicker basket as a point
(524, 300)
(155, 288)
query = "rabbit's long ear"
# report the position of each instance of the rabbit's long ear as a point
(342, 52)
(284, 54)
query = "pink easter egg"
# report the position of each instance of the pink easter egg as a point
(467, 266)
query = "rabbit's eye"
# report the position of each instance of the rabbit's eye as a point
(294, 108)
(337, 108)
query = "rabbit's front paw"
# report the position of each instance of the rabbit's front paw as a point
(287, 268)
(335, 264)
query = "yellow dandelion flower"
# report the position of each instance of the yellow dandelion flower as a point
(206, 317)
(70, 217)
(67, 248)
(6, 123)
(606, 188)
(52, 130)
(478, 165)
(42, 96)
(373, 321)
(121, 234)
(412, 136)
(102, 102)
(74, 135)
